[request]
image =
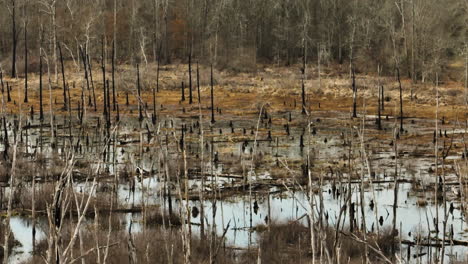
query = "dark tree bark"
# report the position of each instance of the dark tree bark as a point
(92, 82)
(182, 96)
(303, 98)
(5, 139)
(117, 118)
(108, 104)
(81, 107)
(85, 67)
(105, 103)
(140, 113)
(65, 105)
(212, 96)
(1, 81)
(379, 119)
(382, 98)
(8, 92)
(190, 77)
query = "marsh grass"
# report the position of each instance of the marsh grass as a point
(154, 245)
(290, 243)
(156, 218)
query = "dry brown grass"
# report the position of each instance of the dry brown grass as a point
(156, 218)
(44, 197)
(239, 93)
(290, 243)
(155, 245)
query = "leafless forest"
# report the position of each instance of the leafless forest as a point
(234, 131)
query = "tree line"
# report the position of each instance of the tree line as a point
(420, 37)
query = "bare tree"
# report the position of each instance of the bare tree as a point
(14, 36)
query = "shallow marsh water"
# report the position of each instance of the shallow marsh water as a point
(328, 148)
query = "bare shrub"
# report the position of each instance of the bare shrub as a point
(155, 218)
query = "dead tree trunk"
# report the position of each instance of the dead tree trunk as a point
(85, 67)
(466, 73)
(104, 88)
(5, 139)
(25, 63)
(190, 77)
(379, 99)
(379, 118)
(212, 95)
(182, 96)
(303, 86)
(401, 101)
(8, 92)
(140, 113)
(167, 56)
(354, 94)
(92, 82)
(41, 109)
(395, 197)
(113, 77)
(157, 70)
(14, 38)
(303, 98)
(1, 81)
(108, 103)
(198, 84)
(63, 77)
(154, 94)
(382, 98)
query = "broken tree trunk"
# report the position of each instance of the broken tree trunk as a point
(190, 77)
(8, 92)
(92, 82)
(382, 98)
(182, 98)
